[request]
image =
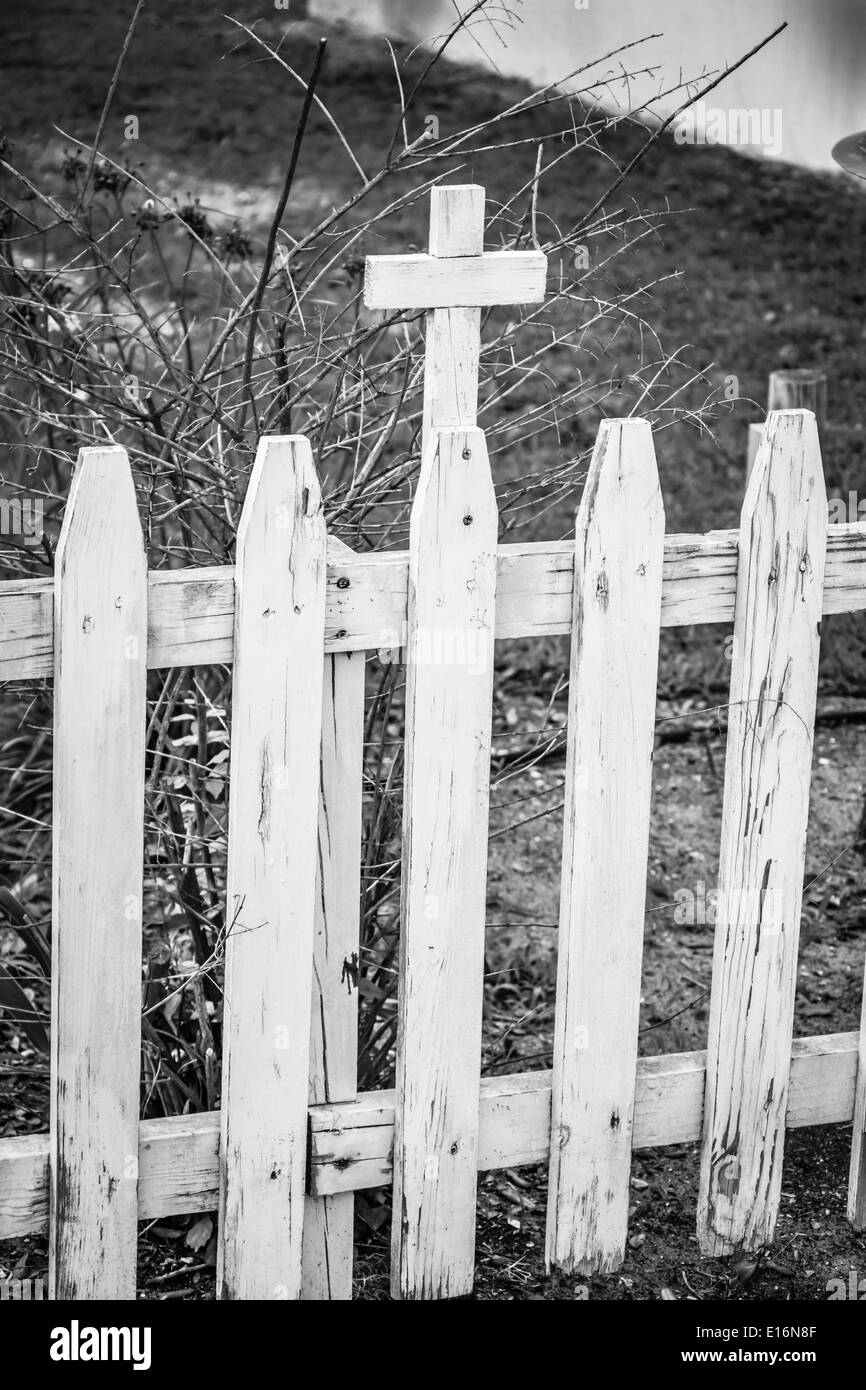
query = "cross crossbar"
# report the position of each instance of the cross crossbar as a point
(455, 282)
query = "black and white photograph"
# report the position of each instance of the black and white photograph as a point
(432, 670)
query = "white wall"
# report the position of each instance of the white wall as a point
(814, 74)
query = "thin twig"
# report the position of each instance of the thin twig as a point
(246, 394)
(103, 117)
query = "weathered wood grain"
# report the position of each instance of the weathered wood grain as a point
(608, 784)
(275, 741)
(449, 697)
(352, 1141)
(352, 1144)
(766, 800)
(98, 828)
(191, 612)
(469, 280)
(329, 1221)
(857, 1174)
(453, 333)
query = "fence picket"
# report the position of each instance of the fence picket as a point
(619, 553)
(100, 674)
(329, 1221)
(276, 724)
(767, 773)
(445, 816)
(857, 1175)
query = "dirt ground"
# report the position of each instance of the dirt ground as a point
(763, 268)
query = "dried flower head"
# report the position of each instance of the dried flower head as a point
(72, 165)
(110, 180)
(147, 217)
(236, 243)
(190, 213)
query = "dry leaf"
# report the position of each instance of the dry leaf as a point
(198, 1235)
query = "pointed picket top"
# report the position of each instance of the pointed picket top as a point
(283, 493)
(100, 682)
(623, 473)
(101, 502)
(272, 855)
(790, 450)
(619, 557)
(768, 765)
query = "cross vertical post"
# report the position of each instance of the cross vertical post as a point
(453, 282)
(453, 345)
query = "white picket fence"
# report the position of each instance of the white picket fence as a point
(293, 1141)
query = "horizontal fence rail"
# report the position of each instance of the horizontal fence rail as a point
(191, 612)
(352, 1142)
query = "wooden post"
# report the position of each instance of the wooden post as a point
(272, 853)
(774, 676)
(329, 1221)
(799, 388)
(795, 388)
(100, 675)
(619, 554)
(448, 719)
(449, 710)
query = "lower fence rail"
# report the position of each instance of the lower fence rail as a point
(351, 1142)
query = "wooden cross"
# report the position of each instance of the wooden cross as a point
(453, 282)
